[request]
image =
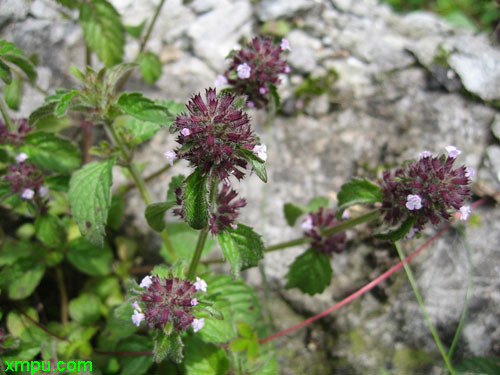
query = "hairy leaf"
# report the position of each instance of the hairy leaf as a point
(358, 191)
(49, 230)
(90, 199)
(398, 233)
(195, 200)
(311, 272)
(155, 214)
(250, 245)
(150, 66)
(144, 109)
(204, 359)
(13, 92)
(85, 308)
(135, 365)
(292, 213)
(479, 365)
(89, 258)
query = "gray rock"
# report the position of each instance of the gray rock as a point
(272, 9)
(493, 161)
(213, 42)
(303, 56)
(495, 127)
(13, 10)
(203, 6)
(318, 106)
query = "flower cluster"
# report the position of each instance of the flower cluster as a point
(227, 211)
(168, 301)
(211, 135)
(255, 68)
(428, 189)
(313, 227)
(14, 138)
(25, 178)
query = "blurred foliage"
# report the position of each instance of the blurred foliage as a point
(478, 15)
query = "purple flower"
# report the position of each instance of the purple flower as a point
(14, 138)
(198, 324)
(137, 317)
(285, 45)
(220, 81)
(171, 156)
(28, 194)
(464, 212)
(426, 190)
(226, 211)
(255, 67)
(413, 202)
(425, 154)
(218, 130)
(470, 172)
(43, 190)
(315, 224)
(452, 151)
(168, 301)
(200, 284)
(260, 151)
(24, 178)
(146, 282)
(244, 70)
(185, 132)
(21, 157)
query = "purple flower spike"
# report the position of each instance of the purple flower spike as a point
(318, 221)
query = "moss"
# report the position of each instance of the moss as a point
(409, 360)
(357, 342)
(317, 86)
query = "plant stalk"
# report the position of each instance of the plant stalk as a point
(420, 301)
(197, 253)
(5, 114)
(64, 296)
(151, 25)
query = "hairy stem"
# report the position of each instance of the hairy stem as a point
(5, 114)
(197, 253)
(420, 301)
(64, 296)
(139, 182)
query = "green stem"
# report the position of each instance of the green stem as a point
(197, 253)
(342, 227)
(126, 188)
(141, 185)
(151, 25)
(420, 301)
(5, 114)
(64, 296)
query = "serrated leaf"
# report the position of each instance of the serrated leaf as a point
(49, 230)
(23, 277)
(249, 244)
(142, 108)
(71, 4)
(117, 72)
(23, 63)
(311, 272)
(398, 233)
(479, 365)
(103, 30)
(155, 214)
(175, 108)
(358, 191)
(90, 199)
(5, 73)
(115, 213)
(11, 251)
(257, 163)
(58, 182)
(292, 213)
(135, 365)
(140, 130)
(13, 92)
(62, 107)
(89, 258)
(168, 347)
(150, 66)
(52, 152)
(135, 31)
(40, 112)
(204, 359)
(230, 252)
(195, 204)
(85, 308)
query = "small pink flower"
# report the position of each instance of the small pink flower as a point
(452, 151)
(220, 81)
(287, 69)
(424, 154)
(198, 324)
(470, 172)
(307, 225)
(260, 151)
(137, 317)
(171, 156)
(43, 190)
(285, 45)
(135, 305)
(185, 132)
(21, 157)
(27, 194)
(234, 226)
(263, 90)
(464, 212)
(194, 302)
(200, 284)
(244, 70)
(146, 282)
(413, 202)
(250, 104)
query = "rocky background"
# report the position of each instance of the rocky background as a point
(390, 86)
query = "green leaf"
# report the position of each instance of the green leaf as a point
(63, 105)
(22, 278)
(230, 252)
(168, 347)
(317, 202)
(273, 92)
(41, 112)
(311, 272)
(115, 213)
(150, 66)
(144, 109)
(103, 30)
(175, 108)
(250, 245)
(175, 182)
(13, 250)
(398, 233)
(238, 344)
(13, 92)
(246, 331)
(141, 131)
(23, 63)
(195, 200)
(5, 73)
(49, 230)
(135, 365)
(155, 214)
(257, 163)
(292, 213)
(51, 152)
(89, 258)
(8, 47)
(58, 182)
(184, 239)
(135, 31)
(85, 308)
(358, 191)
(117, 73)
(90, 199)
(77, 73)
(479, 365)
(204, 359)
